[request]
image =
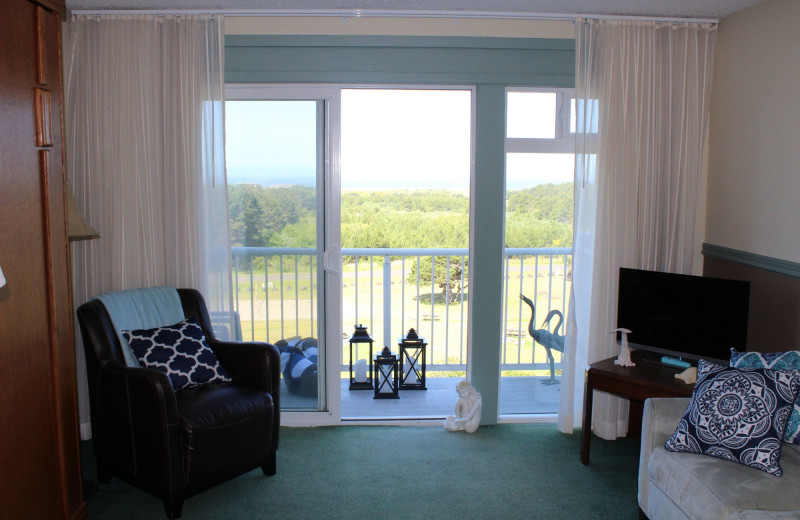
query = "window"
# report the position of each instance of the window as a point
(532, 115)
(540, 163)
(539, 120)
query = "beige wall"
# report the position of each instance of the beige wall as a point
(754, 150)
(400, 26)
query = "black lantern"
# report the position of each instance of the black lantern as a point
(362, 378)
(386, 375)
(412, 361)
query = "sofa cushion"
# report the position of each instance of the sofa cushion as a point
(180, 351)
(738, 415)
(789, 360)
(705, 487)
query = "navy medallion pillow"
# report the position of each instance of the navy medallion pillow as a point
(789, 360)
(738, 415)
(180, 351)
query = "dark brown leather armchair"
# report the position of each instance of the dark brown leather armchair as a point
(177, 444)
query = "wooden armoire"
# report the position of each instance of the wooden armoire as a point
(40, 474)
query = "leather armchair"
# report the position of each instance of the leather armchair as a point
(175, 444)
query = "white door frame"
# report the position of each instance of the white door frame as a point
(329, 258)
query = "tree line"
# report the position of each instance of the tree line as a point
(285, 216)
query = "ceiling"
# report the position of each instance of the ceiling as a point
(645, 8)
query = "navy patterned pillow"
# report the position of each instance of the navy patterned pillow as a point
(789, 360)
(738, 415)
(180, 351)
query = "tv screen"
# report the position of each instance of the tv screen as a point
(689, 317)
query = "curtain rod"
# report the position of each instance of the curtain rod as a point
(376, 13)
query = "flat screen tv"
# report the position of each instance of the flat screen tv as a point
(683, 316)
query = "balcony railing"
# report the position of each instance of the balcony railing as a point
(392, 290)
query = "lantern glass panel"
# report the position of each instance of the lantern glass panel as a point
(386, 377)
(412, 361)
(361, 377)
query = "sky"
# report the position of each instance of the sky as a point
(391, 139)
(270, 142)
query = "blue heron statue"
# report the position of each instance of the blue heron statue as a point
(549, 340)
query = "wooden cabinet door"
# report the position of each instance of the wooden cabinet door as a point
(39, 451)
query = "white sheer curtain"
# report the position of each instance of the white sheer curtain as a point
(144, 100)
(643, 92)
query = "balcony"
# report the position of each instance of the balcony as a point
(391, 291)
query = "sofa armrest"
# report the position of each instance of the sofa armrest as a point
(660, 417)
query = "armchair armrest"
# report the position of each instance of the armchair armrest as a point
(134, 419)
(253, 364)
(660, 417)
(120, 387)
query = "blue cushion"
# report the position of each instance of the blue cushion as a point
(180, 351)
(738, 415)
(299, 358)
(789, 360)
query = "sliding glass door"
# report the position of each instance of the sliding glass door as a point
(283, 193)
(390, 253)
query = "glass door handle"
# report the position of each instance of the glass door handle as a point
(330, 260)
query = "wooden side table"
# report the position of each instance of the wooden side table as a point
(646, 379)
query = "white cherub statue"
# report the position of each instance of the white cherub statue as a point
(624, 358)
(468, 409)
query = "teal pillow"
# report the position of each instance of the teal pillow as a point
(789, 360)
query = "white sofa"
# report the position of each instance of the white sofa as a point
(697, 487)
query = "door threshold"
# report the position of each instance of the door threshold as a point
(393, 420)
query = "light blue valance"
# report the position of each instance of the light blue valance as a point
(432, 60)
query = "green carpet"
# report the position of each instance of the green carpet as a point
(390, 472)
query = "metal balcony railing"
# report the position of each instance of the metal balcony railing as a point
(392, 290)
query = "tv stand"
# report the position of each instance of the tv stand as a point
(636, 384)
